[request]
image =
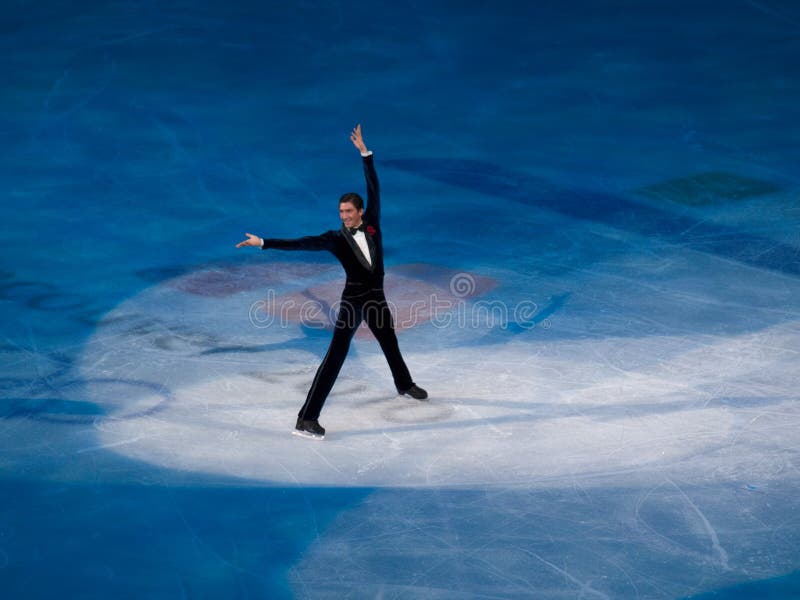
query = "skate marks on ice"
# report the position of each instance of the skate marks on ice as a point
(42, 386)
(499, 420)
(621, 213)
(525, 410)
(586, 538)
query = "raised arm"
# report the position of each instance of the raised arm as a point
(372, 212)
(310, 242)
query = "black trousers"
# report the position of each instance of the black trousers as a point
(371, 307)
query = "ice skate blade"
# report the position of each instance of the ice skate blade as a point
(307, 434)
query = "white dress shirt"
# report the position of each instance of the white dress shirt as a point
(361, 240)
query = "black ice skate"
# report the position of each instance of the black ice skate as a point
(309, 429)
(415, 392)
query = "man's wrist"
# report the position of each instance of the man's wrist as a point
(365, 153)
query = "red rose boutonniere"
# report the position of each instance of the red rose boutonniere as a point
(370, 230)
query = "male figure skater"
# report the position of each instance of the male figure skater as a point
(359, 247)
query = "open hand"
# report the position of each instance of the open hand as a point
(252, 240)
(357, 139)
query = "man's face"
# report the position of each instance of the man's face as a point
(349, 215)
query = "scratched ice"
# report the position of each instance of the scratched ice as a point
(628, 168)
(681, 436)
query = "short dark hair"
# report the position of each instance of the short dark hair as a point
(353, 199)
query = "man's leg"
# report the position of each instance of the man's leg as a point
(379, 319)
(346, 323)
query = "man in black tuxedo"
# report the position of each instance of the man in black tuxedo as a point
(359, 247)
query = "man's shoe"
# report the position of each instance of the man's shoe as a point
(309, 429)
(415, 392)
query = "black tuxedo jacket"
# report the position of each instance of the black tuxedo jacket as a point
(361, 276)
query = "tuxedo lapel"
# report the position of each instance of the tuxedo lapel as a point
(357, 251)
(371, 246)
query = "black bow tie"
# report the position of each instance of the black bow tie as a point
(353, 230)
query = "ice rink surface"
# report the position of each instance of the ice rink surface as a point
(591, 219)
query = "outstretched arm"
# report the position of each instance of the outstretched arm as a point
(372, 213)
(310, 242)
